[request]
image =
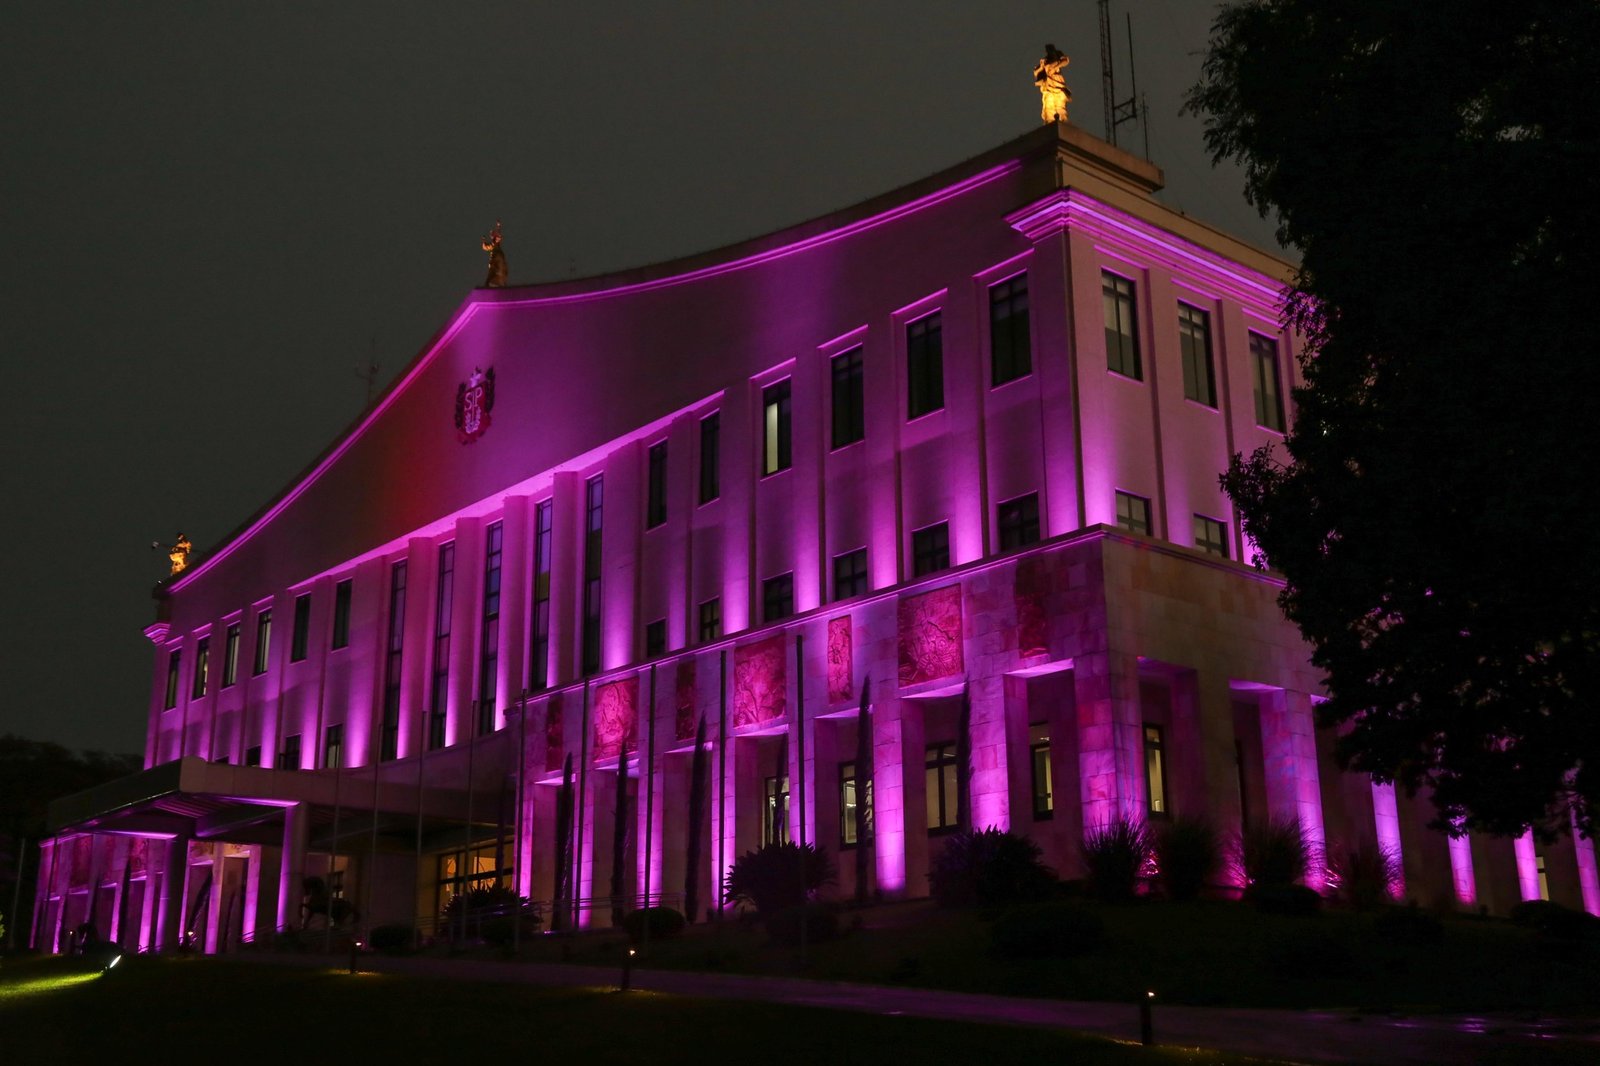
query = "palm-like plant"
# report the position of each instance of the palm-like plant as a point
(775, 877)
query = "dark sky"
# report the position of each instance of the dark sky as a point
(213, 212)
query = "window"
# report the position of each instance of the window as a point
(1044, 803)
(655, 638)
(710, 457)
(1122, 331)
(1210, 535)
(263, 641)
(594, 521)
(302, 627)
(775, 428)
(1194, 340)
(1155, 771)
(1133, 513)
(389, 736)
(439, 693)
(230, 656)
(460, 872)
(539, 638)
(174, 672)
(711, 620)
(1019, 522)
(930, 549)
(777, 597)
(655, 511)
(850, 574)
(775, 810)
(333, 747)
(289, 758)
(1010, 354)
(489, 630)
(252, 756)
(925, 365)
(849, 400)
(202, 667)
(941, 771)
(849, 790)
(1264, 366)
(341, 614)
(1544, 879)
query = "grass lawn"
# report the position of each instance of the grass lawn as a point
(189, 1010)
(1208, 953)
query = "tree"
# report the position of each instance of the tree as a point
(561, 893)
(1431, 508)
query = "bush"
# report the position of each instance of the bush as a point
(484, 905)
(821, 920)
(664, 924)
(989, 868)
(777, 877)
(1188, 854)
(1410, 926)
(1555, 921)
(1115, 857)
(1275, 854)
(390, 939)
(1047, 931)
(1369, 876)
(1296, 901)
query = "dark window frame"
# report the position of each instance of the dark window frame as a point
(849, 402)
(939, 758)
(202, 668)
(655, 512)
(1217, 545)
(655, 638)
(1157, 800)
(1010, 331)
(342, 594)
(300, 636)
(711, 457)
(261, 659)
(1266, 376)
(1129, 518)
(1043, 798)
(777, 597)
(230, 654)
(1199, 365)
(1119, 299)
(930, 549)
(174, 678)
(850, 574)
(1017, 521)
(393, 662)
(925, 365)
(709, 619)
(777, 427)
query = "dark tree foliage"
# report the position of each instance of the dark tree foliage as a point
(561, 894)
(1434, 162)
(776, 877)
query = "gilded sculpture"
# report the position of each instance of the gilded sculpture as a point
(496, 277)
(178, 554)
(1054, 96)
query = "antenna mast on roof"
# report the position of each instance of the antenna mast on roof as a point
(1118, 111)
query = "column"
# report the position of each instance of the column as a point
(888, 790)
(1110, 738)
(292, 869)
(219, 869)
(169, 919)
(1289, 751)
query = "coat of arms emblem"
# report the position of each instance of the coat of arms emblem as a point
(474, 401)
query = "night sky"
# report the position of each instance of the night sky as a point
(214, 213)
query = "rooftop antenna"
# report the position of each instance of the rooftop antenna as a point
(1117, 111)
(369, 373)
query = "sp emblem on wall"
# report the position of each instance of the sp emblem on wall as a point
(474, 401)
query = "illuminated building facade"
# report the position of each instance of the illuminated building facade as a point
(961, 441)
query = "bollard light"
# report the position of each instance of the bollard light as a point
(1147, 1034)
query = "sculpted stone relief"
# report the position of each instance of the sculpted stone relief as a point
(760, 681)
(930, 635)
(841, 660)
(616, 717)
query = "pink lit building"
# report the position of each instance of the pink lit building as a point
(963, 438)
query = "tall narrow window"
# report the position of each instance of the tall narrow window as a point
(711, 620)
(539, 639)
(594, 520)
(302, 628)
(333, 747)
(439, 692)
(1210, 535)
(930, 549)
(263, 641)
(710, 457)
(1019, 522)
(252, 755)
(489, 632)
(775, 428)
(174, 675)
(777, 598)
(775, 810)
(389, 736)
(289, 757)
(202, 667)
(655, 638)
(851, 794)
(940, 778)
(1044, 803)
(1010, 347)
(925, 365)
(1269, 398)
(849, 403)
(341, 614)
(1194, 340)
(1155, 771)
(230, 656)
(1122, 330)
(1133, 513)
(850, 574)
(655, 511)
(1544, 877)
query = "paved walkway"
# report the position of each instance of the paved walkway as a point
(1294, 1036)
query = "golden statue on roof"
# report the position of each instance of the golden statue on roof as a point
(178, 554)
(496, 277)
(1054, 96)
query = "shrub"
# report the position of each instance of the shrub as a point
(1411, 926)
(664, 923)
(1115, 857)
(1555, 921)
(1296, 901)
(1047, 931)
(1369, 876)
(390, 939)
(1188, 855)
(988, 868)
(776, 877)
(1275, 853)
(822, 923)
(481, 906)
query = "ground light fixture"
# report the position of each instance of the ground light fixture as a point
(627, 971)
(1147, 1035)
